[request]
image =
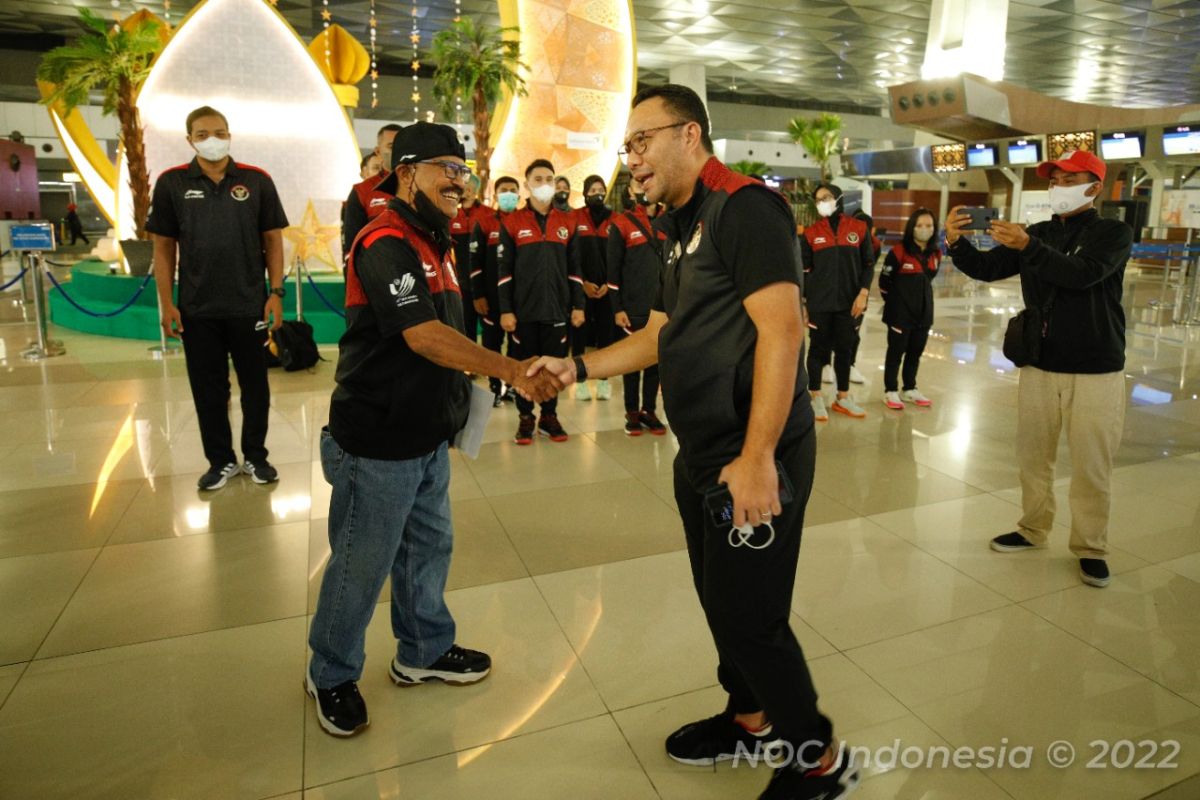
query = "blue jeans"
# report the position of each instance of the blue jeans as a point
(385, 517)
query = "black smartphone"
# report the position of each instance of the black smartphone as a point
(981, 218)
(719, 501)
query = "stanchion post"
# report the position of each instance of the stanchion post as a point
(1190, 307)
(299, 275)
(27, 260)
(44, 347)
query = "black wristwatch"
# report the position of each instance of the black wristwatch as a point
(580, 370)
(279, 291)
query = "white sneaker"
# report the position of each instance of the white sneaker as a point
(856, 376)
(603, 390)
(827, 373)
(892, 400)
(818, 407)
(849, 406)
(915, 397)
(581, 391)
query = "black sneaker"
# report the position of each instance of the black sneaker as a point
(1012, 543)
(458, 666)
(719, 738)
(633, 424)
(1094, 572)
(260, 472)
(510, 395)
(653, 423)
(794, 782)
(525, 429)
(216, 477)
(498, 400)
(549, 425)
(341, 711)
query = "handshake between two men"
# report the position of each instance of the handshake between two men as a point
(537, 381)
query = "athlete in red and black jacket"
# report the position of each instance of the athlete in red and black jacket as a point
(839, 263)
(906, 283)
(539, 293)
(589, 240)
(634, 259)
(365, 202)
(485, 242)
(461, 229)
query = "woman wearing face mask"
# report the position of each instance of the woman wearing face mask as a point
(838, 264)
(906, 284)
(562, 193)
(587, 255)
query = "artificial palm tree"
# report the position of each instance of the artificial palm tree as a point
(820, 137)
(477, 61)
(113, 59)
(755, 169)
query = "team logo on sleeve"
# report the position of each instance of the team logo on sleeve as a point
(563, 233)
(240, 193)
(694, 244)
(402, 289)
(852, 238)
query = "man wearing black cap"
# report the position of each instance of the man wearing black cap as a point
(1072, 270)
(401, 396)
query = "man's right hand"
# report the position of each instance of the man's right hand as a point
(536, 387)
(955, 224)
(481, 306)
(172, 322)
(508, 322)
(561, 369)
(622, 320)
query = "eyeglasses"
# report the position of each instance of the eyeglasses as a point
(638, 143)
(454, 170)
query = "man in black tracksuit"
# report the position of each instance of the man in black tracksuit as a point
(634, 263)
(1072, 270)
(461, 229)
(727, 333)
(485, 242)
(539, 294)
(587, 251)
(364, 203)
(839, 263)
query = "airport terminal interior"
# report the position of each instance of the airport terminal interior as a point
(154, 637)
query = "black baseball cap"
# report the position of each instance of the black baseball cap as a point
(419, 142)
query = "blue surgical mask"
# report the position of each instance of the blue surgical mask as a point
(507, 201)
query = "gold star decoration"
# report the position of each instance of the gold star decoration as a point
(416, 65)
(416, 97)
(326, 14)
(415, 38)
(311, 239)
(374, 22)
(374, 74)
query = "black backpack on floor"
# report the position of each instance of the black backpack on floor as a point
(293, 344)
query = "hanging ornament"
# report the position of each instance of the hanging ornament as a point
(374, 61)
(326, 16)
(167, 12)
(457, 94)
(415, 38)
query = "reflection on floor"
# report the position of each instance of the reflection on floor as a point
(152, 641)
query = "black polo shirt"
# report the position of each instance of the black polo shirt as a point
(219, 229)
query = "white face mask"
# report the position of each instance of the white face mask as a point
(1065, 199)
(543, 194)
(826, 207)
(212, 148)
(922, 233)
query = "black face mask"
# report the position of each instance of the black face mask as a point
(628, 202)
(430, 214)
(560, 198)
(641, 199)
(595, 200)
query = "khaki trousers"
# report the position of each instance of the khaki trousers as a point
(1092, 409)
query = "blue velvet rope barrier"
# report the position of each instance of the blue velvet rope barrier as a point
(14, 281)
(322, 297)
(120, 310)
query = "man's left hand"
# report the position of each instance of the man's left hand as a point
(754, 485)
(273, 311)
(1009, 234)
(860, 305)
(577, 318)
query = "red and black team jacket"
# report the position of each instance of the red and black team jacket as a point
(838, 264)
(906, 283)
(589, 240)
(634, 264)
(534, 278)
(391, 403)
(461, 229)
(485, 242)
(363, 205)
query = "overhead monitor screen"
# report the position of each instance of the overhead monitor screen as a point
(1182, 140)
(1024, 151)
(1121, 144)
(981, 155)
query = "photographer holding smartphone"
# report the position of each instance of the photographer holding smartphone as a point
(1070, 348)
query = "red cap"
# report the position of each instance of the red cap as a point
(1075, 161)
(71, 206)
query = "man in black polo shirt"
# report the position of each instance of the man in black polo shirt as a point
(401, 396)
(225, 222)
(726, 332)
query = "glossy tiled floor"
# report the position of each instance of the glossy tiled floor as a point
(152, 641)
